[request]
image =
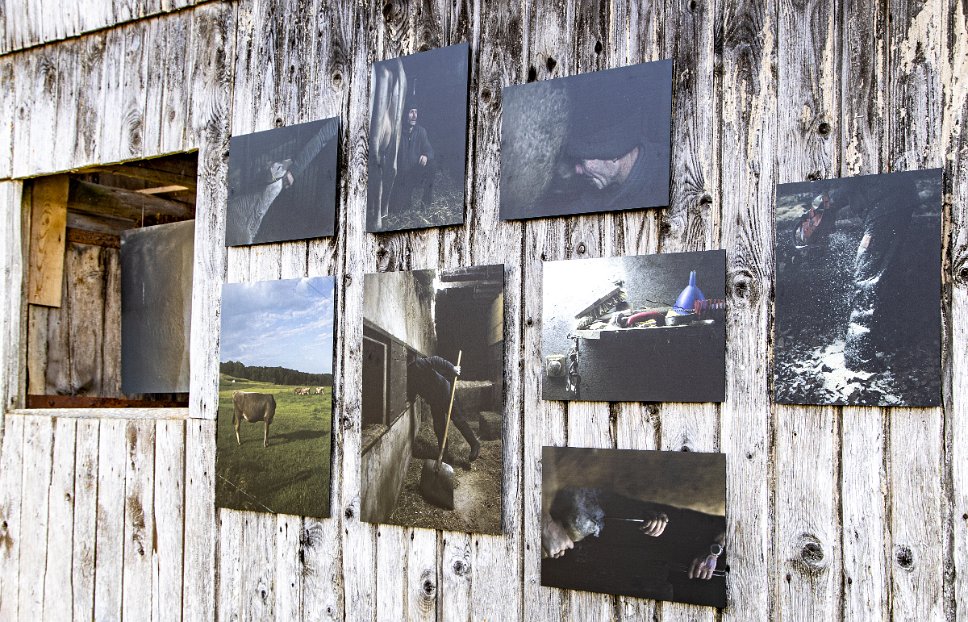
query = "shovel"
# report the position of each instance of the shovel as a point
(437, 477)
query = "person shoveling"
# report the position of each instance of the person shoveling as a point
(428, 377)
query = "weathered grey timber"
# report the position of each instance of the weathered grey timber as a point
(853, 513)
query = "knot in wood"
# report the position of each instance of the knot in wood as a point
(705, 199)
(460, 567)
(812, 555)
(581, 248)
(599, 47)
(337, 79)
(428, 585)
(904, 556)
(529, 322)
(823, 128)
(347, 280)
(279, 122)
(348, 513)
(551, 63)
(532, 73)
(486, 95)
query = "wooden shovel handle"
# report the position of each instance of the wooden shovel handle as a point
(453, 391)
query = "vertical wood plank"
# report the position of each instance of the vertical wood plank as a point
(806, 493)
(7, 110)
(65, 120)
(169, 518)
(37, 457)
(90, 98)
(85, 518)
(58, 579)
(111, 322)
(201, 527)
(11, 500)
(747, 108)
(356, 539)
(918, 535)
(288, 569)
(110, 532)
(209, 109)
(11, 286)
(953, 70)
(391, 552)
(863, 482)
(423, 602)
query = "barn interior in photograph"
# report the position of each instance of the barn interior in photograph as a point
(76, 277)
(420, 314)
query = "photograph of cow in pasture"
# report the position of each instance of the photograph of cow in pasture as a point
(433, 399)
(282, 184)
(595, 142)
(418, 140)
(274, 428)
(858, 291)
(649, 524)
(639, 328)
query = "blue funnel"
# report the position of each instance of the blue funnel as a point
(686, 301)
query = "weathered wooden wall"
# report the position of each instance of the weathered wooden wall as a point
(855, 513)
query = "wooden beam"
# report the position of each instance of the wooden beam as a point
(91, 198)
(150, 174)
(90, 222)
(48, 229)
(86, 401)
(93, 238)
(162, 189)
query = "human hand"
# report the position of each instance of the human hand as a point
(655, 525)
(457, 369)
(554, 540)
(703, 567)
(423, 160)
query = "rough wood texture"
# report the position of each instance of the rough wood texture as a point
(831, 512)
(48, 233)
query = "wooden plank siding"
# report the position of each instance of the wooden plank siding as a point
(833, 513)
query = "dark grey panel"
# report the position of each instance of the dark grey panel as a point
(156, 307)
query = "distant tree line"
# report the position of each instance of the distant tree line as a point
(276, 375)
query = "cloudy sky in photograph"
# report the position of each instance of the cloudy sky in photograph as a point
(286, 323)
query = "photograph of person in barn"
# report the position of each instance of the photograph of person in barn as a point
(282, 184)
(858, 303)
(639, 523)
(418, 140)
(432, 452)
(275, 397)
(429, 377)
(596, 142)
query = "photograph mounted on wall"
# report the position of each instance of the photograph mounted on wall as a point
(641, 328)
(418, 140)
(275, 396)
(858, 291)
(649, 524)
(282, 184)
(596, 142)
(433, 399)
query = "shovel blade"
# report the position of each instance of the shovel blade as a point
(437, 485)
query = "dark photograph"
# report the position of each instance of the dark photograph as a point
(275, 397)
(649, 524)
(418, 141)
(858, 291)
(597, 142)
(282, 184)
(156, 307)
(643, 328)
(432, 453)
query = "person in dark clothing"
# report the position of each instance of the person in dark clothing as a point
(416, 164)
(598, 540)
(430, 377)
(886, 207)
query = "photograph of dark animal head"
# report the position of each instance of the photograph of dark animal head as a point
(432, 453)
(641, 328)
(275, 396)
(282, 184)
(418, 141)
(597, 142)
(858, 291)
(650, 524)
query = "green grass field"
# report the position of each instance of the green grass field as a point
(292, 474)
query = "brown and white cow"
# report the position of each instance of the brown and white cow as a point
(253, 407)
(319, 390)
